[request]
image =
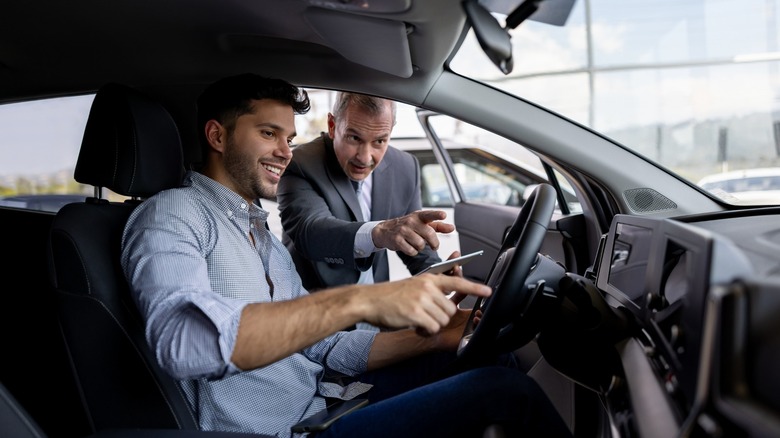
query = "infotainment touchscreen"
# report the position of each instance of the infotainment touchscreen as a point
(625, 261)
(659, 269)
(628, 263)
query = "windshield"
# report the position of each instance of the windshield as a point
(689, 84)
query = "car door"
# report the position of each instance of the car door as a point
(487, 180)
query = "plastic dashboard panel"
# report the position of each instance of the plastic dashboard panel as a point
(738, 392)
(666, 273)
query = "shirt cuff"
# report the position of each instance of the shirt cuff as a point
(364, 244)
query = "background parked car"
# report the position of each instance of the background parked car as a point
(746, 187)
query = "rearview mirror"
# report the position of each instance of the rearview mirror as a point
(494, 40)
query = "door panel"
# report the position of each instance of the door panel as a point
(483, 227)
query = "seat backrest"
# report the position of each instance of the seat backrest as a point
(17, 423)
(131, 146)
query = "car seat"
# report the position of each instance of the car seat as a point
(131, 146)
(18, 423)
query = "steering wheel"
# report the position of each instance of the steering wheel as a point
(509, 315)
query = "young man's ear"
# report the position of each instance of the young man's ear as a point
(216, 135)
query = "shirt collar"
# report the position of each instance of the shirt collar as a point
(225, 199)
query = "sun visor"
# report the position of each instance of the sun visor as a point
(365, 6)
(383, 43)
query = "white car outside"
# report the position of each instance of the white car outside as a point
(745, 187)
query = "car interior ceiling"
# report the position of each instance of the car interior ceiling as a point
(277, 45)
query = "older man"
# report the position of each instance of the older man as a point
(348, 196)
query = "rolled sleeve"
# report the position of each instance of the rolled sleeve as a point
(191, 330)
(345, 353)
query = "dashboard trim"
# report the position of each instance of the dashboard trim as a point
(647, 395)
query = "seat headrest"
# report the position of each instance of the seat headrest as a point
(131, 144)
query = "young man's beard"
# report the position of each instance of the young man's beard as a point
(245, 173)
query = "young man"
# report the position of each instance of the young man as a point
(227, 316)
(348, 196)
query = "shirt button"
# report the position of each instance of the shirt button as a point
(251, 225)
(243, 206)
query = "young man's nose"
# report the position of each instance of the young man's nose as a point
(284, 149)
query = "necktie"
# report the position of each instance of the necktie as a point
(365, 208)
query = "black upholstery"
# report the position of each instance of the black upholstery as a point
(15, 421)
(131, 146)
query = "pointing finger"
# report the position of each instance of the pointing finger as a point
(431, 215)
(442, 227)
(448, 284)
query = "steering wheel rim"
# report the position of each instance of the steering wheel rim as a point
(518, 254)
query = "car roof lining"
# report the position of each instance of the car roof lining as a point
(177, 41)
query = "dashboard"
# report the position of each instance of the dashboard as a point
(704, 294)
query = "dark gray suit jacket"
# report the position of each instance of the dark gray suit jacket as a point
(321, 214)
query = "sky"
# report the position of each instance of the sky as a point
(31, 130)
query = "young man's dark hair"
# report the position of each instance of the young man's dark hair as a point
(229, 98)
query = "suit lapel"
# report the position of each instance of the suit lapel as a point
(340, 181)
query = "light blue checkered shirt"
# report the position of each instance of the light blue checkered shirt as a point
(192, 269)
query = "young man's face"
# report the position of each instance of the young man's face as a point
(360, 139)
(258, 148)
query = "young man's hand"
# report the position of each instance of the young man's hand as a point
(421, 302)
